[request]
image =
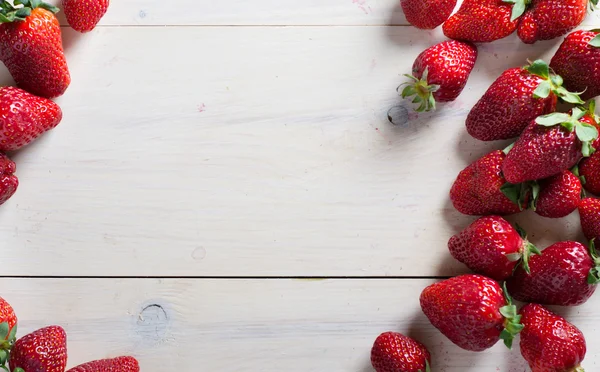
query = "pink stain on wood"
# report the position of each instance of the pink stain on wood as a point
(362, 4)
(201, 107)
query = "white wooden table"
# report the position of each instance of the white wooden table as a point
(216, 157)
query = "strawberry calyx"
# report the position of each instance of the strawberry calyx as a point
(512, 320)
(19, 10)
(8, 337)
(527, 249)
(427, 368)
(577, 369)
(519, 7)
(421, 90)
(517, 193)
(594, 274)
(575, 171)
(551, 83)
(595, 42)
(585, 132)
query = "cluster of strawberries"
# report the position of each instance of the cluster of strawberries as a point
(548, 168)
(31, 48)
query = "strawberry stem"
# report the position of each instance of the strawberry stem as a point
(512, 322)
(421, 90)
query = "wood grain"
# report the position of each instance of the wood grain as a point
(258, 152)
(261, 13)
(251, 325)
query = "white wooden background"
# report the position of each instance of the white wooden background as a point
(215, 153)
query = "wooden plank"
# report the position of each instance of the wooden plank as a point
(261, 12)
(250, 325)
(272, 156)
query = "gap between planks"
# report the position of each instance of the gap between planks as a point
(228, 277)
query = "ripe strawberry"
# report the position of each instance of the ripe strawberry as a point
(516, 98)
(547, 19)
(84, 15)
(589, 169)
(565, 274)
(589, 213)
(478, 191)
(24, 117)
(427, 14)
(31, 48)
(394, 352)
(559, 195)
(8, 181)
(44, 350)
(120, 364)
(492, 247)
(440, 73)
(472, 311)
(550, 343)
(481, 21)
(577, 60)
(8, 330)
(546, 149)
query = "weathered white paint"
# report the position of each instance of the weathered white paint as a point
(251, 325)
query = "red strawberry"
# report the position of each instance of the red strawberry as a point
(84, 15)
(427, 14)
(24, 117)
(578, 62)
(559, 195)
(549, 343)
(8, 181)
(472, 311)
(565, 274)
(546, 149)
(589, 213)
(492, 247)
(547, 19)
(394, 352)
(31, 48)
(478, 191)
(481, 21)
(589, 169)
(44, 350)
(516, 98)
(440, 73)
(8, 330)
(120, 364)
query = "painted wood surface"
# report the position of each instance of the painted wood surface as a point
(194, 149)
(252, 325)
(259, 151)
(260, 12)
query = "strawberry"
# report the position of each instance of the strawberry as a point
(546, 149)
(84, 15)
(44, 350)
(440, 73)
(120, 364)
(547, 19)
(394, 352)
(559, 195)
(8, 330)
(577, 60)
(589, 213)
(481, 21)
(589, 169)
(478, 191)
(24, 117)
(549, 343)
(427, 14)
(516, 98)
(31, 47)
(492, 247)
(8, 181)
(565, 274)
(473, 311)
